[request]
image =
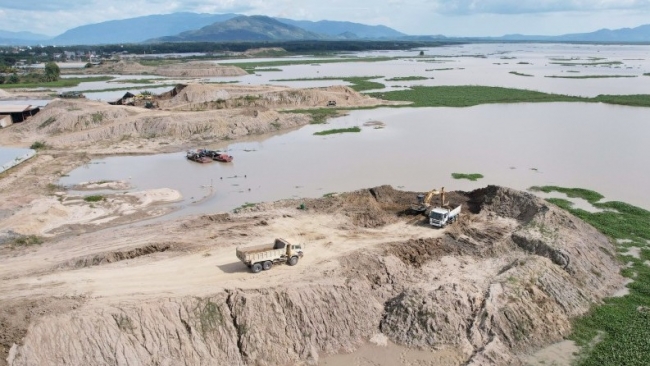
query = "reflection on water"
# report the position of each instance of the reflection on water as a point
(596, 146)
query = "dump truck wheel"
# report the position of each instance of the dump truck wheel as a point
(256, 268)
(267, 265)
(293, 261)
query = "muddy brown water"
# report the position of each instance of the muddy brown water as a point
(595, 146)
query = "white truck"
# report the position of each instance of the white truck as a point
(440, 217)
(263, 257)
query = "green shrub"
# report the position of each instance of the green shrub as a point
(94, 198)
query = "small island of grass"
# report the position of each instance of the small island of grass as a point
(407, 78)
(337, 130)
(519, 73)
(473, 176)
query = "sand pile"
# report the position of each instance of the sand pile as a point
(486, 295)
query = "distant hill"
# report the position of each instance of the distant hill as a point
(136, 30)
(22, 38)
(345, 30)
(244, 28)
(638, 34)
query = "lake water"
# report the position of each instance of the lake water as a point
(596, 146)
(471, 64)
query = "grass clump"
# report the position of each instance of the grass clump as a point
(473, 176)
(94, 198)
(646, 74)
(38, 145)
(27, 240)
(337, 130)
(407, 78)
(47, 122)
(622, 324)
(519, 73)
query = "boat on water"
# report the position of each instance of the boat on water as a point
(198, 156)
(217, 155)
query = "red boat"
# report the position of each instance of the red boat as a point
(224, 158)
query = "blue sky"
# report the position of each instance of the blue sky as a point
(448, 17)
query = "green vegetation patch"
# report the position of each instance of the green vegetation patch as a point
(27, 240)
(471, 95)
(473, 176)
(268, 69)
(586, 194)
(94, 198)
(465, 96)
(646, 74)
(634, 100)
(622, 324)
(337, 130)
(589, 76)
(318, 116)
(408, 78)
(61, 83)
(519, 73)
(38, 145)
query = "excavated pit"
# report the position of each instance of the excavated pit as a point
(505, 280)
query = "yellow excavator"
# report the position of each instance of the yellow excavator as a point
(424, 201)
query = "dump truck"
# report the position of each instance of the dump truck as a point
(263, 257)
(440, 217)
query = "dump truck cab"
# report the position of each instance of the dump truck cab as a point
(440, 217)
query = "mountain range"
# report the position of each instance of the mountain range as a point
(189, 27)
(244, 28)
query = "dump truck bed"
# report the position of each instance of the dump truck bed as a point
(263, 252)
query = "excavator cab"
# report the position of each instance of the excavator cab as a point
(424, 201)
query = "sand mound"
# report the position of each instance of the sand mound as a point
(487, 295)
(183, 69)
(198, 69)
(205, 96)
